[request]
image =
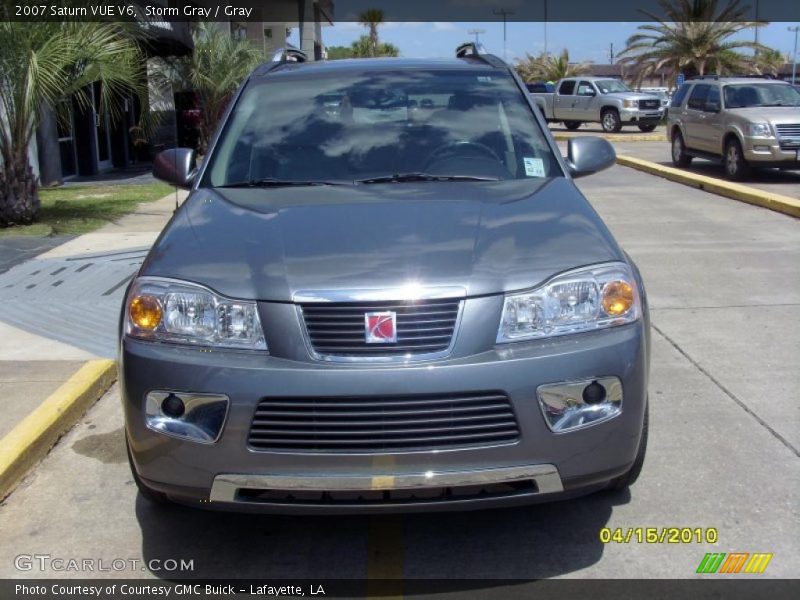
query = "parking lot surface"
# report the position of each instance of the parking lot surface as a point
(723, 451)
(777, 181)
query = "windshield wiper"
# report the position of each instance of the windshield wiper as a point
(275, 182)
(403, 177)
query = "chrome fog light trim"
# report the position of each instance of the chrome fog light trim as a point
(201, 419)
(568, 406)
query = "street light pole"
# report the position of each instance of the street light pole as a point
(476, 33)
(505, 13)
(794, 56)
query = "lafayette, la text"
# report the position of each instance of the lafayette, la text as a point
(145, 590)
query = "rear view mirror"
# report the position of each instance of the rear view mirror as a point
(176, 166)
(587, 155)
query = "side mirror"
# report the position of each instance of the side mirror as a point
(712, 107)
(587, 155)
(176, 166)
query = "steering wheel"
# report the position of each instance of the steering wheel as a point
(458, 147)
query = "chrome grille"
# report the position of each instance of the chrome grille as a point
(336, 329)
(649, 104)
(383, 423)
(789, 135)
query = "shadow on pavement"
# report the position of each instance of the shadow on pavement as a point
(756, 177)
(526, 543)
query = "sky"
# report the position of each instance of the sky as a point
(585, 41)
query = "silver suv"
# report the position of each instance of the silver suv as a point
(742, 122)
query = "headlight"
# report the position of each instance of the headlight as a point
(630, 103)
(581, 300)
(186, 313)
(759, 130)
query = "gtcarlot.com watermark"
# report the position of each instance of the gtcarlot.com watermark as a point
(47, 563)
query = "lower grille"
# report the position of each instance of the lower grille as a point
(789, 136)
(383, 423)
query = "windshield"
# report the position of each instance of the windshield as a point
(760, 94)
(370, 125)
(609, 86)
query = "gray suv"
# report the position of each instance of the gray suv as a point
(741, 122)
(384, 293)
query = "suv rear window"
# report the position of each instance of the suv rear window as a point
(697, 100)
(677, 99)
(347, 125)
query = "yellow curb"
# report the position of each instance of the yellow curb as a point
(613, 137)
(32, 438)
(777, 202)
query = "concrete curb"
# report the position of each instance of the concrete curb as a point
(613, 137)
(777, 202)
(32, 438)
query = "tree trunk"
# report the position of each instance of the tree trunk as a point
(19, 194)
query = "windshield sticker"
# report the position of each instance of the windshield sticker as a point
(534, 167)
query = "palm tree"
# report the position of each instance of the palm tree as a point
(692, 38)
(769, 62)
(42, 64)
(547, 67)
(215, 69)
(370, 19)
(363, 48)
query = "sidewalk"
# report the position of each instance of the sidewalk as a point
(61, 308)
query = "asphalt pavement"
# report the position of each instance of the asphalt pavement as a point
(723, 453)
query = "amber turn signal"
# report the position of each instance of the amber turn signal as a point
(145, 312)
(617, 298)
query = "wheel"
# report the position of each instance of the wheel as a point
(736, 166)
(572, 125)
(647, 127)
(147, 493)
(610, 120)
(679, 156)
(628, 479)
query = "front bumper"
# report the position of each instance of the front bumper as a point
(634, 115)
(768, 152)
(540, 465)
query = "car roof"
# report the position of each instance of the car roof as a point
(737, 80)
(350, 65)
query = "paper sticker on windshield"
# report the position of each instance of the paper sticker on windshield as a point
(534, 167)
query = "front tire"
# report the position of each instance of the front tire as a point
(572, 125)
(610, 120)
(679, 156)
(736, 167)
(628, 479)
(647, 127)
(149, 494)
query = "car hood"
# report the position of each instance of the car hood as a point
(631, 96)
(773, 114)
(268, 244)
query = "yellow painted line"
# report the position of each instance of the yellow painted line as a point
(32, 438)
(736, 191)
(613, 137)
(385, 558)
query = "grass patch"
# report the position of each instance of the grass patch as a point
(75, 210)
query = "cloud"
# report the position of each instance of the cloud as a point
(444, 26)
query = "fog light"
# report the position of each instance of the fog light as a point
(172, 406)
(573, 405)
(189, 416)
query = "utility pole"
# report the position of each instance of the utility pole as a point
(476, 33)
(545, 27)
(505, 13)
(611, 54)
(794, 55)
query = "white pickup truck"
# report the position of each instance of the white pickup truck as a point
(601, 100)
